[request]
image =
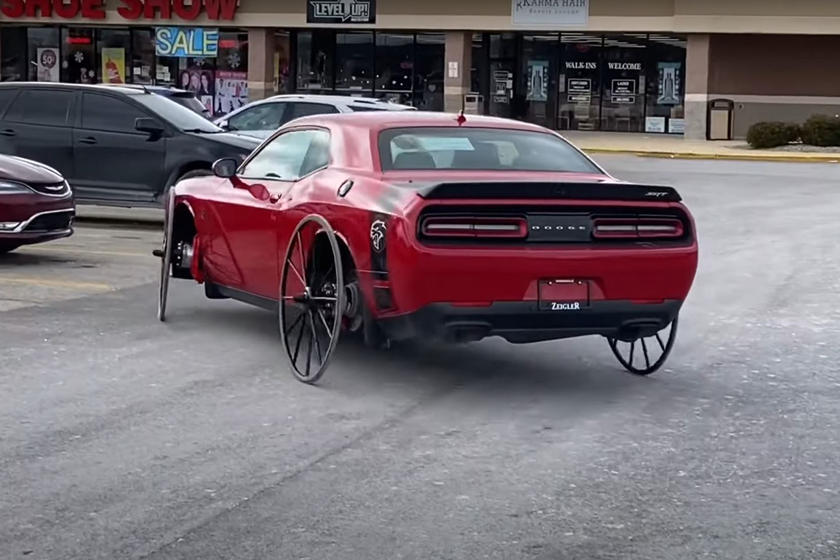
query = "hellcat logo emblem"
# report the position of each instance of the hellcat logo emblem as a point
(656, 193)
(377, 235)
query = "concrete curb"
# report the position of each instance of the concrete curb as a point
(787, 158)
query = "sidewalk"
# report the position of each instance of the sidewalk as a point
(671, 146)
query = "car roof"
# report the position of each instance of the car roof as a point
(63, 85)
(380, 120)
(336, 100)
(154, 89)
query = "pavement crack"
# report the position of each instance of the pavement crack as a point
(365, 436)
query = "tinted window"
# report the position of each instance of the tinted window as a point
(177, 115)
(6, 95)
(298, 110)
(103, 112)
(479, 148)
(290, 156)
(41, 107)
(261, 117)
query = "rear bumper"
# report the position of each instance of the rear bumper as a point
(521, 322)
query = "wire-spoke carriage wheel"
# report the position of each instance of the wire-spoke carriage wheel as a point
(312, 298)
(166, 255)
(645, 355)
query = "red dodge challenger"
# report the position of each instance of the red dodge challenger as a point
(437, 226)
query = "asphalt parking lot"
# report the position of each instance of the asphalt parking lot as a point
(121, 437)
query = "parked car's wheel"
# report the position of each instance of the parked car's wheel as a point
(8, 247)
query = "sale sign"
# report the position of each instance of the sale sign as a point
(186, 41)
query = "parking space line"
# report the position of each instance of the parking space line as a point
(86, 252)
(57, 283)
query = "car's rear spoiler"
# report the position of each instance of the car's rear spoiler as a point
(546, 190)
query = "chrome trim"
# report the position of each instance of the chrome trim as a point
(23, 225)
(66, 191)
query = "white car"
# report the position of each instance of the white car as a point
(263, 117)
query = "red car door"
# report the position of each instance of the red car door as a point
(253, 215)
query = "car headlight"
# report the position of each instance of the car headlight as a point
(11, 187)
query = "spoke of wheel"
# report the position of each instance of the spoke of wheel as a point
(632, 347)
(324, 298)
(302, 260)
(300, 338)
(326, 326)
(659, 339)
(644, 348)
(308, 354)
(297, 272)
(315, 336)
(294, 324)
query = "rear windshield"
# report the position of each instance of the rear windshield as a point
(490, 149)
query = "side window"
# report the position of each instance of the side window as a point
(299, 109)
(6, 96)
(41, 106)
(104, 112)
(290, 156)
(262, 117)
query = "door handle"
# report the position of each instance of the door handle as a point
(88, 140)
(8, 132)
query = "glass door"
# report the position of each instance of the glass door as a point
(537, 79)
(623, 71)
(579, 82)
(502, 67)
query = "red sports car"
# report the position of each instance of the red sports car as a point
(433, 225)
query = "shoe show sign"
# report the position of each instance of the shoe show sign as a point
(341, 11)
(550, 12)
(126, 9)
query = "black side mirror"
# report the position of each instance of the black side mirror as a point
(225, 168)
(148, 125)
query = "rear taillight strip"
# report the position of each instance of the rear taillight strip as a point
(516, 228)
(605, 228)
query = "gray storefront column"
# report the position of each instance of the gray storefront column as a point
(260, 63)
(696, 86)
(457, 66)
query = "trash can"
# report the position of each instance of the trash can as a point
(720, 119)
(473, 104)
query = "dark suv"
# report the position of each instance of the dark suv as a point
(118, 146)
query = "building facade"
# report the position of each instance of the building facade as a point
(617, 65)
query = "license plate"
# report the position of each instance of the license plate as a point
(563, 294)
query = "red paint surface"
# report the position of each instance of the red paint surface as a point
(127, 9)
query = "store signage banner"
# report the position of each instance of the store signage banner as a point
(550, 12)
(537, 80)
(47, 64)
(341, 11)
(186, 41)
(668, 90)
(113, 65)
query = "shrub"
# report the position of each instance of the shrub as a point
(772, 134)
(821, 130)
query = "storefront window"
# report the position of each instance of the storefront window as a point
(665, 84)
(315, 50)
(580, 82)
(230, 86)
(502, 69)
(354, 62)
(142, 56)
(394, 66)
(112, 46)
(44, 57)
(282, 62)
(15, 64)
(428, 74)
(623, 75)
(78, 64)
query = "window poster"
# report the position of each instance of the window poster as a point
(231, 91)
(113, 65)
(199, 80)
(47, 64)
(537, 80)
(669, 83)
